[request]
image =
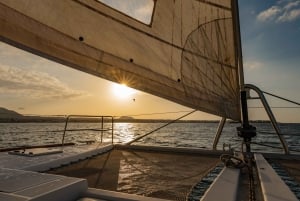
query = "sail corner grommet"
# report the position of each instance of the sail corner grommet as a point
(81, 38)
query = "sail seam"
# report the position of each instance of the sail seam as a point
(153, 36)
(213, 4)
(203, 84)
(60, 46)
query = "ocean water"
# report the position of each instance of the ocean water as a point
(197, 135)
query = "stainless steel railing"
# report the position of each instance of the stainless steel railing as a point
(261, 97)
(102, 129)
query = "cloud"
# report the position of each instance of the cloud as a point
(283, 11)
(138, 9)
(291, 5)
(269, 14)
(145, 12)
(15, 81)
(251, 65)
(289, 16)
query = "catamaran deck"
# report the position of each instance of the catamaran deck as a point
(148, 173)
(37, 161)
(96, 172)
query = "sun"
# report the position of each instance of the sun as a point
(122, 91)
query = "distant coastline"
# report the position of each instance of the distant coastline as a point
(10, 116)
(41, 119)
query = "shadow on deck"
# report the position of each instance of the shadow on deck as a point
(148, 173)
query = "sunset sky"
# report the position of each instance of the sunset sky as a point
(271, 49)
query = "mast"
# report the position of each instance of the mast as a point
(246, 131)
(238, 43)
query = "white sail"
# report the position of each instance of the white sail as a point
(186, 54)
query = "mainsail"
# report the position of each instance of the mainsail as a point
(187, 54)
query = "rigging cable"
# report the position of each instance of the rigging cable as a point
(173, 121)
(145, 114)
(276, 107)
(274, 147)
(294, 102)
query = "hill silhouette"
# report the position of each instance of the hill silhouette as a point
(126, 118)
(5, 113)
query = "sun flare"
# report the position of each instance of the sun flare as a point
(122, 91)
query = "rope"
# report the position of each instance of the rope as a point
(284, 134)
(235, 162)
(60, 131)
(232, 161)
(37, 131)
(173, 121)
(148, 114)
(266, 145)
(274, 147)
(281, 98)
(275, 107)
(266, 132)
